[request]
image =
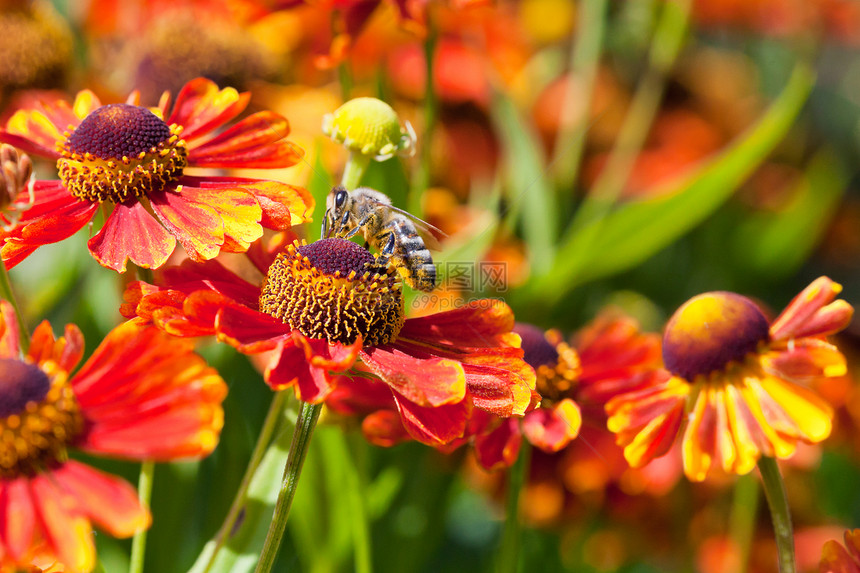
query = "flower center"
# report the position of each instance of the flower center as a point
(711, 330)
(39, 416)
(555, 362)
(333, 290)
(119, 152)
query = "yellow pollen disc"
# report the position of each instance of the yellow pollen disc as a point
(120, 152)
(332, 290)
(40, 417)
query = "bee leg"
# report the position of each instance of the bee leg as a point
(388, 249)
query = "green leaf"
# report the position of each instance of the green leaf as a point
(242, 550)
(776, 244)
(637, 230)
(529, 193)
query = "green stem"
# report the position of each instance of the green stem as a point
(777, 501)
(509, 552)
(274, 414)
(8, 294)
(354, 169)
(742, 519)
(665, 47)
(307, 421)
(144, 492)
(585, 57)
(355, 498)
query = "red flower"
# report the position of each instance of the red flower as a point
(609, 356)
(133, 158)
(141, 395)
(324, 305)
(736, 384)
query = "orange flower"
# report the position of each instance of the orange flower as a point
(133, 158)
(324, 305)
(838, 559)
(738, 382)
(141, 396)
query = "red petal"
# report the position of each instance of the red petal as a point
(239, 211)
(201, 107)
(145, 394)
(384, 428)
(256, 141)
(17, 517)
(197, 226)
(283, 205)
(131, 233)
(110, 502)
(10, 346)
(499, 448)
(482, 323)
(425, 381)
(71, 348)
(551, 429)
(289, 367)
(42, 343)
(65, 529)
(433, 425)
(240, 327)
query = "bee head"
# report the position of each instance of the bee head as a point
(336, 212)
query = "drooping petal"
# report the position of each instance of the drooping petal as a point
(130, 233)
(424, 381)
(500, 447)
(551, 429)
(201, 107)
(198, 226)
(257, 141)
(813, 312)
(110, 502)
(384, 428)
(433, 425)
(289, 367)
(838, 559)
(805, 415)
(67, 531)
(647, 421)
(146, 395)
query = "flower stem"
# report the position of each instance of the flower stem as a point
(774, 491)
(307, 421)
(7, 293)
(509, 551)
(144, 492)
(272, 416)
(354, 169)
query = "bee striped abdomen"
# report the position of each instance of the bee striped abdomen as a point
(411, 256)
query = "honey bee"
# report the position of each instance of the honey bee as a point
(391, 231)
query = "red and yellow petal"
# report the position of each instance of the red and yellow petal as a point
(146, 395)
(258, 141)
(131, 233)
(239, 211)
(110, 502)
(806, 361)
(198, 226)
(201, 107)
(427, 381)
(65, 529)
(551, 429)
(813, 312)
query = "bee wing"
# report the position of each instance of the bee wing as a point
(431, 235)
